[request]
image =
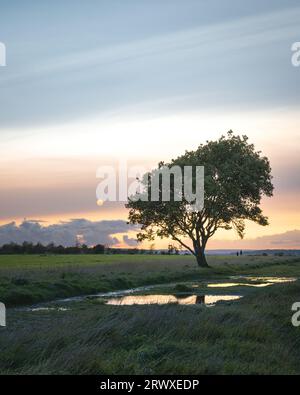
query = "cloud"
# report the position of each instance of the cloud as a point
(214, 37)
(287, 240)
(130, 241)
(222, 61)
(65, 233)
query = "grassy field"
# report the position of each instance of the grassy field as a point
(252, 335)
(28, 279)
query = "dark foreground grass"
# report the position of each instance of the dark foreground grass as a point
(250, 336)
(31, 279)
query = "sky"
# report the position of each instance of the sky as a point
(90, 84)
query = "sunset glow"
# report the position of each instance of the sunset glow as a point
(49, 159)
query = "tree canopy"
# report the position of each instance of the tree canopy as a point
(236, 177)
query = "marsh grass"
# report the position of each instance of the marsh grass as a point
(28, 279)
(250, 336)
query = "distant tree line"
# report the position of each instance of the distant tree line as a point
(39, 248)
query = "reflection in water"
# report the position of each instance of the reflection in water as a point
(48, 309)
(170, 299)
(271, 280)
(264, 282)
(225, 285)
(126, 297)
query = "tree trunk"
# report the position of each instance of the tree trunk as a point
(201, 259)
(200, 255)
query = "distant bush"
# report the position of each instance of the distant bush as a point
(40, 249)
(30, 248)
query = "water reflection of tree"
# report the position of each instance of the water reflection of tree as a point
(200, 299)
(190, 299)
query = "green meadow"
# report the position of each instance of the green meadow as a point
(252, 335)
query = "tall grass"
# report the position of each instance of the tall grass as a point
(250, 336)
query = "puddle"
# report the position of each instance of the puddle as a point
(131, 296)
(225, 285)
(273, 280)
(258, 281)
(170, 299)
(265, 279)
(108, 294)
(47, 309)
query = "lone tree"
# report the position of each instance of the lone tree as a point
(236, 178)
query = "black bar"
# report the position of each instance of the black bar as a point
(129, 384)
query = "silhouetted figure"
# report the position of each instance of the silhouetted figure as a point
(241, 252)
(237, 253)
(200, 299)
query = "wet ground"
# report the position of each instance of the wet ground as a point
(204, 292)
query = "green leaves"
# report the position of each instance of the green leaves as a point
(236, 178)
